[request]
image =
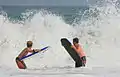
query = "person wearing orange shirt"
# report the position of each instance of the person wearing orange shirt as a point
(77, 47)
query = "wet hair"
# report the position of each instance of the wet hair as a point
(76, 40)
(29, 43)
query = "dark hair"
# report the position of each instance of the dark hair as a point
(76, 40)
(29, 43)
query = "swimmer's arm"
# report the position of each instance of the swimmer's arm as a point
(36, 50)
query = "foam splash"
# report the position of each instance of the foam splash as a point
(44, 29)
(98, 30)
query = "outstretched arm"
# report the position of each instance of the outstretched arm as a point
(36, 50)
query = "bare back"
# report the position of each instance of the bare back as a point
(25, 52)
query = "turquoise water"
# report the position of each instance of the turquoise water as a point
(67, 13)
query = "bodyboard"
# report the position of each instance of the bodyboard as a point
(67, 45)
(33, 53)
(20, 63)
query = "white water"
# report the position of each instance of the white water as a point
(102, 49)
